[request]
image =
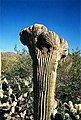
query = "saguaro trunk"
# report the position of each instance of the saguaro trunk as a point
(46, 49)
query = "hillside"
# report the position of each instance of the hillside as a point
(8, 59)
(10, 56)
(16, 64)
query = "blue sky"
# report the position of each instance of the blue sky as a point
(60, 16)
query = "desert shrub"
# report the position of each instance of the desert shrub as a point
(69, 78)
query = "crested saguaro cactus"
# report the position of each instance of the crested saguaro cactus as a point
(46, 49)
